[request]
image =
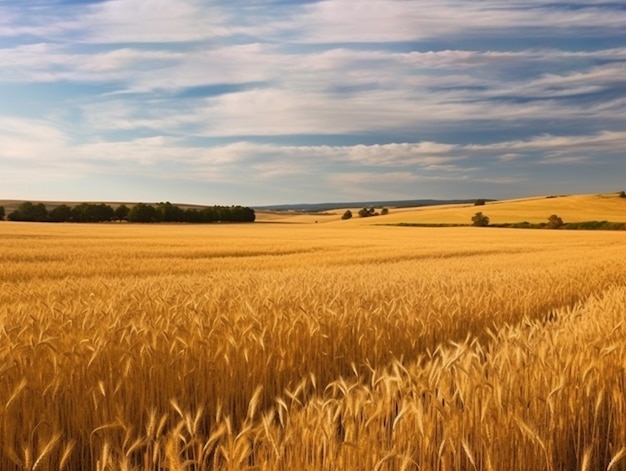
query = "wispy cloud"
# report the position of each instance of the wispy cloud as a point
(116, 21)
(342, 21)
(29, 139)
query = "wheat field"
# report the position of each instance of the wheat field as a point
(311, 347)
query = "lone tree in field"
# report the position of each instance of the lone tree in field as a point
(480, 220)
(347, 215)
(1, 213)
(479, 202)
(622, 194)
(384, 211)
(554, 222)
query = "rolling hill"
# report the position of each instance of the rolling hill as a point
(571, 208)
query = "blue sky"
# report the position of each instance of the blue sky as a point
(283, 101)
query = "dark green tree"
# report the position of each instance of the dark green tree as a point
(364, 213)
(554, 222)
(121, 212)
(143, 213)
(62, 213)
(480, 220)
(241, 214)
(622, 194)
(192, 215)
(81, 213)
(2, 213)
(90, 212)
(170, 213)
(105, 213)
(29, 212)
(384, 211)
(347, 215)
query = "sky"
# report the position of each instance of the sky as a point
(291, 101)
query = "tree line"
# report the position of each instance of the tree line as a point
(140, 212)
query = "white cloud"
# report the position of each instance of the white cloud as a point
(152, 21)
(460, 58)
(283, 112)
(42, 62)
(360, 178)
(119, 21)
(605, 141)
(36, 144)
(30, 140)
(334, 91)
(405, 20)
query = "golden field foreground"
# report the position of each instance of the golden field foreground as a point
(311, 347)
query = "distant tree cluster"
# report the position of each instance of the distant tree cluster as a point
(161, 212)
(622, 194)
(367, 212)
(1, 213)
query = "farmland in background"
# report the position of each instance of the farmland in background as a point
(312, 346)
(572, 208)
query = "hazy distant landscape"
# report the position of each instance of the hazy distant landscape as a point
(533, 209)
(312, 207)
